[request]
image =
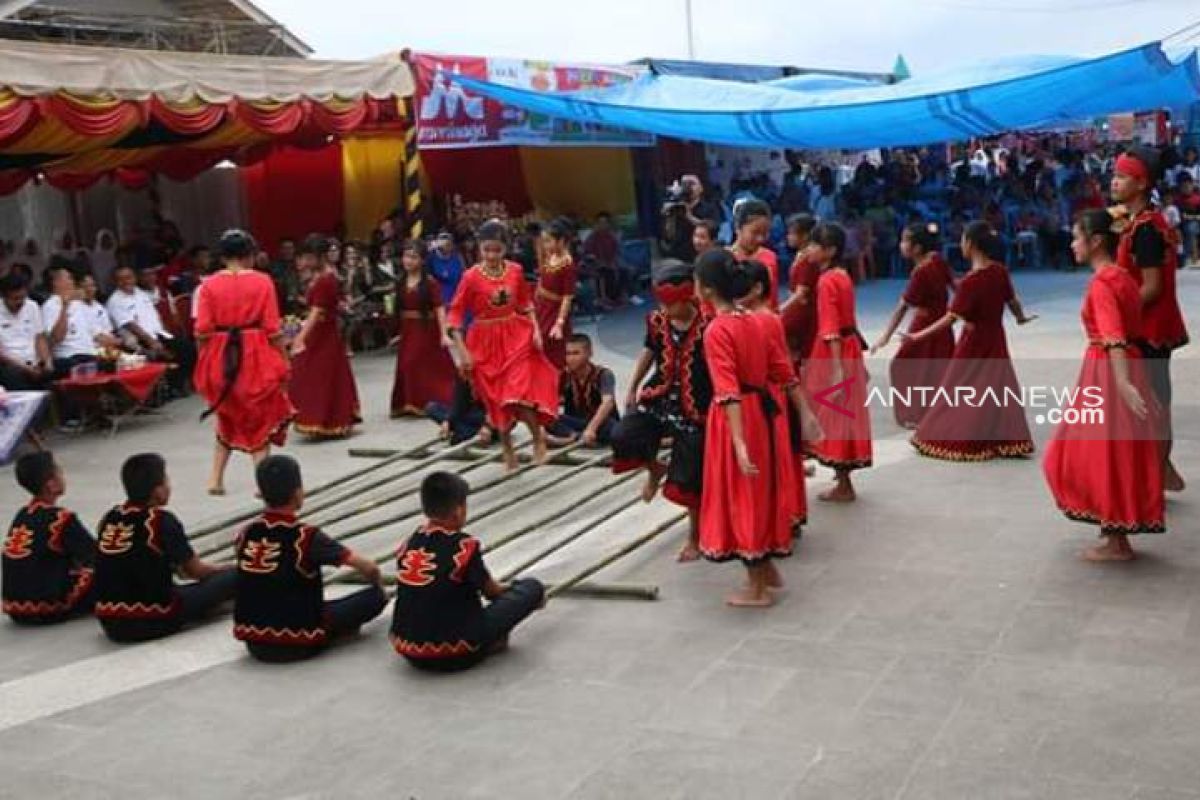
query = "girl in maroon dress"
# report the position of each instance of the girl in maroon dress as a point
(424, 370)
(835, 374)
(976, 413)
(752, 219)
(799, 312)
(748, 503)
(241, 371)
(502, 353)
(557, 277)
(322, 387)
(919, 364)
(1106, 468)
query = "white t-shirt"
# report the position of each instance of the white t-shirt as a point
(98, 314)
(136, 307)
(80, 338)
(19, 332)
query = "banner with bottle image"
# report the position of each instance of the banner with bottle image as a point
(449, 116)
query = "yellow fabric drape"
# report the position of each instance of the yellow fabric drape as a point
(579, 180)
(371, 175)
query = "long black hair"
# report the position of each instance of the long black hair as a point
(924, 235)
(759, 276)
(724, 274)
(830, 234)
(425, 287)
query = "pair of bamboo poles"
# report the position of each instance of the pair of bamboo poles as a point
(344, 490)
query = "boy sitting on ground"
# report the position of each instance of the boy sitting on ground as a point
(48, 553)
(587, 396)
(281, 612)
(141, 545)
(439, 623)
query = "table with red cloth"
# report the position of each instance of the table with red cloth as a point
(123, 393)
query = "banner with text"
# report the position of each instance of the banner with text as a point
(448, 116)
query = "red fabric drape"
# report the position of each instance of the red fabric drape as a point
(73, 181)
(13, 179)
(276, 120)
(97, 118)
(294, 192)
(340, 119)
(16, 118)
(482, 173)
(191, 120)
(132, 178)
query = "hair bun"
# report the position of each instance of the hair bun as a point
(932, 228)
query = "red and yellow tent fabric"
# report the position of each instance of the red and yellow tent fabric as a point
(71, 115)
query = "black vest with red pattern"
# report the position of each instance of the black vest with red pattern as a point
(37, 569)
(1163, 325)
(280, 595)
(133, 574)
(580, 394)
(678, 362)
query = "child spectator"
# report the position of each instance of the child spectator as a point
(281, 612)
(588, 395)
(48, 554)
(463, 418)
(140, 545)
(439, 623)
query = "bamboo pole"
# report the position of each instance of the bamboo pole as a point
(245, 514)
(616, 555)
(490, 484)
(632, 591)
(512, 536)
(574, 535)
(378, 502)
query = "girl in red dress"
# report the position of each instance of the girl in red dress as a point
(557, 278)
(1107, 470)
(919, 364)
(502, 353)
(799, 312)
(241, 371)
(424, 370)
(976, 413)
(323, 388)
(748, 503)
(835, 372)
(752, 220)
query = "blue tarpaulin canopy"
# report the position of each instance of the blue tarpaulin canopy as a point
(822, 112)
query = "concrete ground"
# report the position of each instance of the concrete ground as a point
(938, 639)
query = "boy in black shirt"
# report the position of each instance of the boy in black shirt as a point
(281, 612)
(140, 545)
(48, 553)
(463, 419)
(439, 623)
(587, 397)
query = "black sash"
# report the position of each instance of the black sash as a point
(231, 364)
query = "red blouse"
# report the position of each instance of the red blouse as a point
(410, 298)
(835, 304)
(1112, 308)
(983, 295)
(928, 285)
(241, 300)
(558, 281)
(488, 298)
(746, 351)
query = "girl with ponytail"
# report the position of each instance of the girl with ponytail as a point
(1108, 470)
(424, 369)
(748, 503)
(836, 371)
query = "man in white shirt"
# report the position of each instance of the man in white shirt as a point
(25, 361)
(137, 321)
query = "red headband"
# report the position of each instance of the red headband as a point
(668, 293)
(1133, 166)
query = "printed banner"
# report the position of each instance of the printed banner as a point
(448, 116)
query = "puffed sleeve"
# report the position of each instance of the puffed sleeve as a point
(270, 311)
(779, 365)
(916, 293)
(963, 304)
(460, 304)
(1106, 315)
(720, 355)
(202, 311)
(829, 312)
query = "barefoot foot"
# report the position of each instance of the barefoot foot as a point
(1172, 480)
(654, 478)
(838, 494)
(688, 553)
(1102, 553)
(772, 577)
(747, 597)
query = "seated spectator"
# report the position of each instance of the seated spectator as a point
(137, 321)
(71, 329)
(286, 277)
(603, 248)
(102, 328)
(463, 419)
(1188, 199)
(446, 264)
(25, 359)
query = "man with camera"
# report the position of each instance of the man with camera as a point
(684, 209)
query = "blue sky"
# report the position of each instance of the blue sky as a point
(864, 35)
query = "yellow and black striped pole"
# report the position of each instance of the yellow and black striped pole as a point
(413, 203)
